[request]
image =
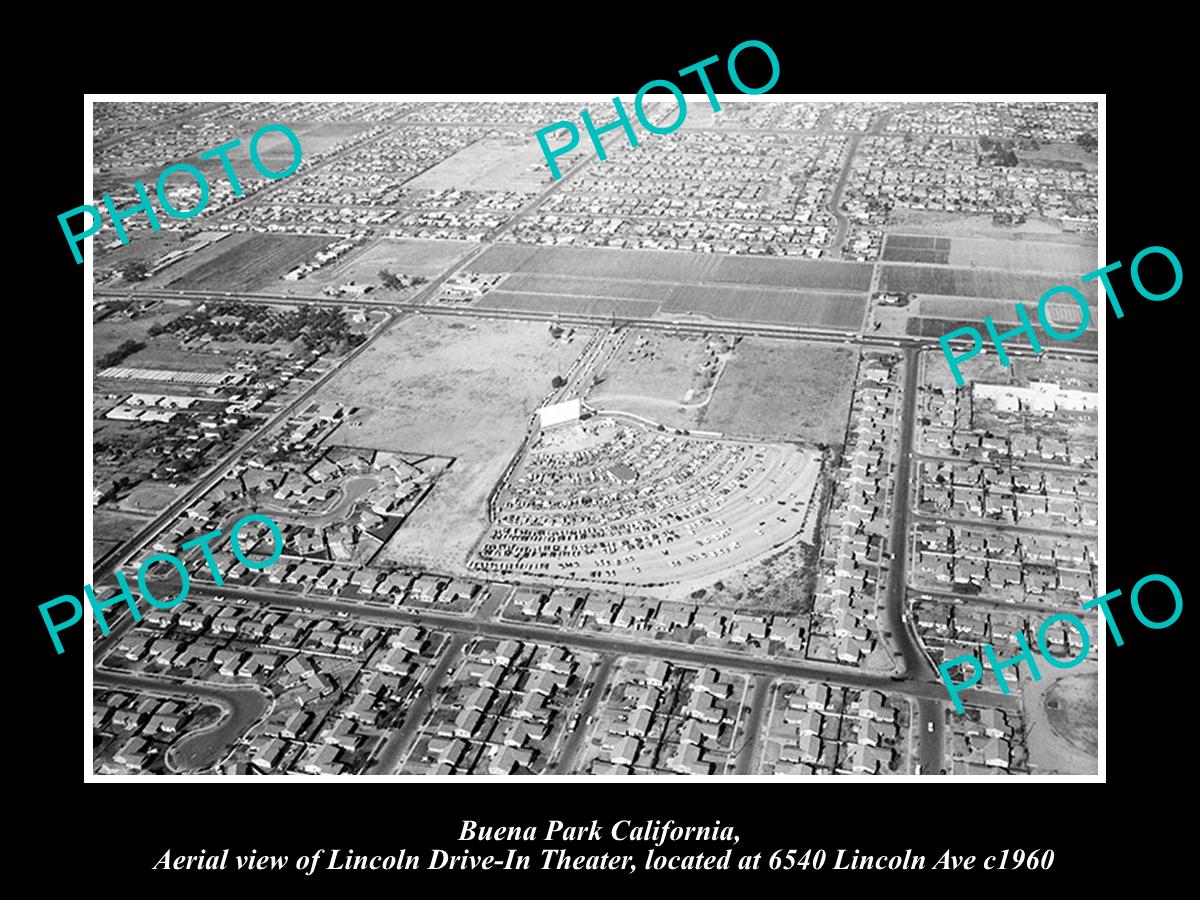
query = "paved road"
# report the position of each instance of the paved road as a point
(607, 643)
(122, 553)
(389, 756)
(241, 706)
(916, 664)
(566, 762)
(931, 745)
(758, 704)
(680, 324)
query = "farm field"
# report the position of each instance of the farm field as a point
(921, 326)
(917, 248)
(995, 285)
(256, 262)
(999, 310)
(792, 273)
(454, 389)
(791, 390)
(817, 308)
(591, 306)
(592, 287)
(680, 267)
(641, 265)
(1023, 255)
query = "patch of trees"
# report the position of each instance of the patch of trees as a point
(115, 357)
(321, 329)
(136, 271)
(998, 153)
(399, 282)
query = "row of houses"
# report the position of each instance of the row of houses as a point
(665, 718)
(843, 625)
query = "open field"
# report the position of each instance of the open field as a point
(1067, 154)
(1019, 254)
(667, 265)
(110, 333)
(650, 376)
(1071, 706)
(256, 262)
(522, 283)
(163, 352)
(978, 283)
(917, 248)
(110, 528)
(1060, 713)
(207, 245)
(492, 164)
(592, 306)
(841, 311)
(315, 138)
(144, 246)
(787, 390)
(402, 257)
(448, 388)
(428, 259)
(927, 221)
(149, 496)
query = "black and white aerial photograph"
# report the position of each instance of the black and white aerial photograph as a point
(471, 450)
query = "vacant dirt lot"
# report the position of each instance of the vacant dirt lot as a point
(1060, 714)
(650, 376)
(492, 164)
(456, 389)
(402, 257)
(776, 389)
